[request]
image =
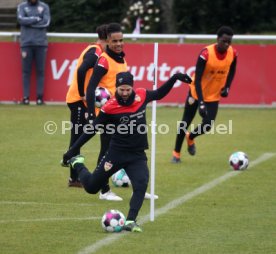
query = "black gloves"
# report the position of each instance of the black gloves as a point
(224, 92)
(183, 77)
(187, 79)
(65, 161)
(202, 109)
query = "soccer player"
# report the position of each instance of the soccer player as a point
(75, 97)
(111, 62)
(125, 116)
(215, 70)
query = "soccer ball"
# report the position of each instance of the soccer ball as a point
(120, 179)
(239, 161)
(113, 221)
(102, 95)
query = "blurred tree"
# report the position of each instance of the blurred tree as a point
(84, 15)
(168, 17)
(175, 16)
(245, 16)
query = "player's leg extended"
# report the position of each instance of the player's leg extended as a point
(91, 182)
(188, 116)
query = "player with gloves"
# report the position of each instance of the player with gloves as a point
(75, 97)
(124, 115)
(110, 62)
(215, 70)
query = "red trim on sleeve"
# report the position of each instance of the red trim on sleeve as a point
(235, 52)
(103, 62)
(98, 52)
(204, 54)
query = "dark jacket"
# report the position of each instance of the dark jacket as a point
(34, 20)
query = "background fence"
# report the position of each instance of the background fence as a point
(254, 82)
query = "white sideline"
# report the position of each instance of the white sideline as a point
(173, 204)
(50, 219)
(38, 203)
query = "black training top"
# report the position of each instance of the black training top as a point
(126, 123)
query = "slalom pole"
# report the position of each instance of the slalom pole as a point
(153, 135)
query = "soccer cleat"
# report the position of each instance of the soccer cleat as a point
(74, 183)
(132, 226)
(110, 196)
(40, 102)
(65, 161)
(25, 101)
(148, 196)
(175, 160)
(191, 144)
(75, 160)
(176, 157)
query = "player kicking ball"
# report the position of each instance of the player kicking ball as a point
(215, 71)
(125, 115)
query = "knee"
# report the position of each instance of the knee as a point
(182, 127)
(26, 70)
(90, 189)
(142, 184)
(207, 125)
(40, 72)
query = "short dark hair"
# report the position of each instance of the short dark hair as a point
(113, 28)
(102, 32)
(225, 30)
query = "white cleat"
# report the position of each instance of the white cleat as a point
(110, 196)
(148, 196)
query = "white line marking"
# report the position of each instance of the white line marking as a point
(48, 219)
(37, 203)
(173, 204)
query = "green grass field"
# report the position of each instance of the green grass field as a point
(40, 214)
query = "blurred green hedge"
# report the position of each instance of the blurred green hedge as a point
(188, 16)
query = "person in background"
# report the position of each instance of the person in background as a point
(76, 95)
(215, 70)
(34, 18)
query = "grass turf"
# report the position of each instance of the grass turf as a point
(40, 214)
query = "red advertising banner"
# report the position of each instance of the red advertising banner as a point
(254, 82)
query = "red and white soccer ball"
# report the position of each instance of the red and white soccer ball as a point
(239, 161)
(102, 95)
(113, 221)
